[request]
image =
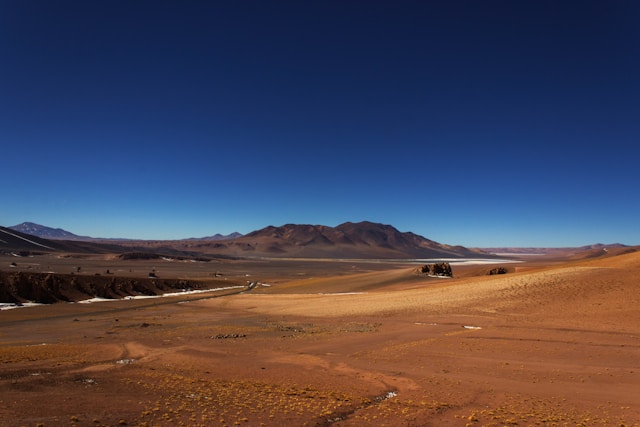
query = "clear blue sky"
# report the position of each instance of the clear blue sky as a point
(480, 123)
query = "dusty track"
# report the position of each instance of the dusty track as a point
(546, 346)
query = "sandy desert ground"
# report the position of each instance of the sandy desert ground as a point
(340, 344)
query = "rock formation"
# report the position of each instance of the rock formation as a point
(498, 270)
(439, 269)
(49, 288)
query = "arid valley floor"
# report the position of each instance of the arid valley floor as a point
(319, 343)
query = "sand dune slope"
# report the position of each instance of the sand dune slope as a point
(547, 346)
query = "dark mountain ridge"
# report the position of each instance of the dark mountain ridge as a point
(219, 236)
(574, 253)
(554, 250)
(45, 232)
(348, 240)
(363, 240)
(12, 241)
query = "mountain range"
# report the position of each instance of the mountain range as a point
(59, 234)
(46, 232)
(349, 240)
(12, 241)
(219, 236)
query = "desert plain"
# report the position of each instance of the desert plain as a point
(554, 342)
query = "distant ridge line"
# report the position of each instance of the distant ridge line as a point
(46, 232)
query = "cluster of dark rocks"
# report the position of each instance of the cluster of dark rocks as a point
(228, 336)
(439, 269)
(497, 270)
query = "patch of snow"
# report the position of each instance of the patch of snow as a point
(201, 291)
(388, 395)
(171, 294)
(95, 299)
(141, 296)
(471, 327)
(10, 305)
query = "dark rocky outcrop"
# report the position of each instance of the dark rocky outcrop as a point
(20, 287)
(47, 288)
(498, 270)
(439, 269)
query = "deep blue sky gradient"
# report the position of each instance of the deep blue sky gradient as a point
(494, 123)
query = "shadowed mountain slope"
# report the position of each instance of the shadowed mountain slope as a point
(45, 232)
(16, 241)
(12, 240)
(218, 236)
